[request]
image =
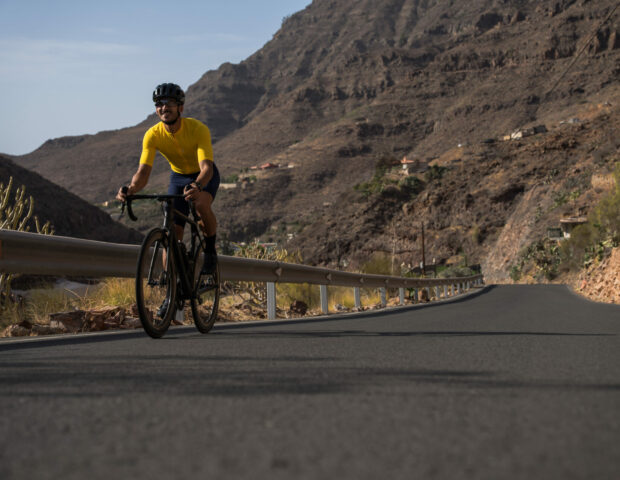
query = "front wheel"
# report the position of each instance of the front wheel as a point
(206, 298)
(156, 283)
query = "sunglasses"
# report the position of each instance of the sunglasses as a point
(166, 101)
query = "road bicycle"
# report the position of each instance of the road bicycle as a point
(169, 272)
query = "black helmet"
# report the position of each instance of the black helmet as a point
(169, 90)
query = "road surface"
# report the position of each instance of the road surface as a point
(516, 382)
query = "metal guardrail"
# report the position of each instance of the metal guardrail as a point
(31, 253)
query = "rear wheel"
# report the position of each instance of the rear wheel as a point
(206, 298)
(156, 283)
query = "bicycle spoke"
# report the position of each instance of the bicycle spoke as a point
(206, 297)
(154, 285)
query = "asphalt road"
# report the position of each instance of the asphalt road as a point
(516, 382)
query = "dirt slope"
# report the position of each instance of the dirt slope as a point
(69, 214)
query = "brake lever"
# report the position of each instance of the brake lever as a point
(124, 190)
(122, 212)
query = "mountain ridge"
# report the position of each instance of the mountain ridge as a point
(68, 214)
(341, 86)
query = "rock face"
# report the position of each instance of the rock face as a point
(513, 236)
(601, 282)
(298, 307)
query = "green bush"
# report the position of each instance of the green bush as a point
(411, 185)
(380, 263)
(234, 178)
(542, 258)
(378, 181)
(455, 271)
(435, 173)
(594, 239)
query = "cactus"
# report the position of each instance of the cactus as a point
(15, 216)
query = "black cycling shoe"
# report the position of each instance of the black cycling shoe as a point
(163, 308)
(210, 264)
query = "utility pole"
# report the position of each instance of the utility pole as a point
(423, 253)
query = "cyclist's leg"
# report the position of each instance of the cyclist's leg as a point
(177, 185)
(178, 182)
(209, 223)
(204, 202)
(203, 208)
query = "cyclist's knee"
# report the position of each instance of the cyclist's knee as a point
(204, 200)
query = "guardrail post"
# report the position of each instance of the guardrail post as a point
(324, 300)
(179, 315)
(428, 293)
(401, 295)
(416, 297)
(358, 297)
(437, 292)
(445, 291)
(452, 290)
(271, 300)
(383, 297)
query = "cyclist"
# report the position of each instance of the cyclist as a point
(186, 144)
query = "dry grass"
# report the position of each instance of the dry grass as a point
(310, 295)
(42, 302)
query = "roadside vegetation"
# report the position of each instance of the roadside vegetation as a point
(40, 303)
(16, 213)
(254, 295)
(591, 242)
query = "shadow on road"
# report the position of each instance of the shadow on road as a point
(231, 376)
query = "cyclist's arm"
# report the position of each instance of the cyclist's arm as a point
(206, 172)
(140, 179)
(205, 155)
(138, 182)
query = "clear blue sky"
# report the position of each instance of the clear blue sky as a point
(71, 67)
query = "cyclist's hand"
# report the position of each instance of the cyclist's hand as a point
(122, 193)
(191, 192)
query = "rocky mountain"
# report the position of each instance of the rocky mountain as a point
(69, 214)
(345, 86)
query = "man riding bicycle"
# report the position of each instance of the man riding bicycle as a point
(186, 144)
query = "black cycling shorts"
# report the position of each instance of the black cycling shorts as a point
(178, 182)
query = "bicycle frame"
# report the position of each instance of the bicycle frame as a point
(179, 279)
(170, 213)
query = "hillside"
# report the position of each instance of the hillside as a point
(68, 213)
(481, 202)
(344, 84)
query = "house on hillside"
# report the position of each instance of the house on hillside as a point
(568, 224)
(410, 166)
(265, 166)
(527, 132)
(268, 166)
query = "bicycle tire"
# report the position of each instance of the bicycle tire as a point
(206, 298)
(155, 284)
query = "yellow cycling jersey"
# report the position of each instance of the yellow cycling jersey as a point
(184, 149)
